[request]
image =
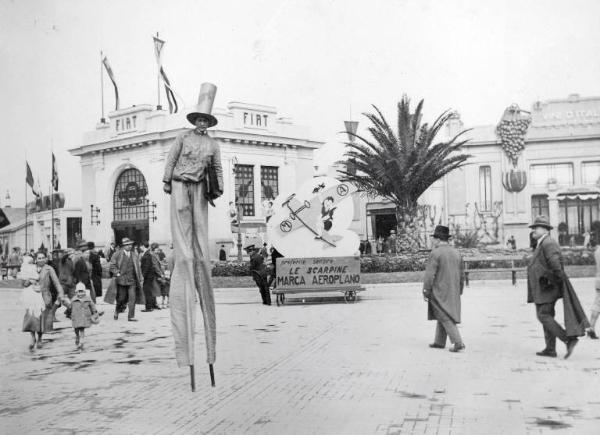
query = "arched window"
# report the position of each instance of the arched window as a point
(130, 200)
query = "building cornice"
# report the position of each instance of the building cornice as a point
(146, 139)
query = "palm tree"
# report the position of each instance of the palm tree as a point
(401, 165)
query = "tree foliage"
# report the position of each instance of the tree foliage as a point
(401, 164)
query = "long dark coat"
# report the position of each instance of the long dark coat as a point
(151, 272)
(116, 266)
(576, 321)
(545, 273)
(96, 275)
(444, 281)
(65, 275)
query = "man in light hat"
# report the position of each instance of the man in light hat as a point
(125, 267)
(545, 285)
(442, 288)
(185, 177)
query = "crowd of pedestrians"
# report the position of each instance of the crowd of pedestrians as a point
(72, 278)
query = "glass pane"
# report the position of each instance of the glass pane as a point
(244, 188)
(590, 172)
(269, 181)
(130, 199)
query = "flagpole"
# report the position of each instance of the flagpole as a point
(26, 204)
(158, 106)
(52, 195)
(102, 119)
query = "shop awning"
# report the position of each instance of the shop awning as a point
(375, 208)
(583, 193)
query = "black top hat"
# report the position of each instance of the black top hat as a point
(541, 221)
(441, 232)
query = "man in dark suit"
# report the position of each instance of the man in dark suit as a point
(151, 272)
(442, 288)
(260, 273)
(96, 275)
(544, 286)
(125, 266)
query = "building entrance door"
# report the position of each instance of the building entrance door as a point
(384, 223)
(131, 207)
(138, 232)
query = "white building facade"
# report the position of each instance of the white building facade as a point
(561, 165)
(122, 163)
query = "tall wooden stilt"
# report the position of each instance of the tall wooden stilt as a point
(212, 375)
(192, 379)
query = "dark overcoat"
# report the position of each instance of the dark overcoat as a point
(96, 274)
(545, 273)
(151, 272)
(116, 266)
(444, 281)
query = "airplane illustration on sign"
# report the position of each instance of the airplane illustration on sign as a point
(315, 214)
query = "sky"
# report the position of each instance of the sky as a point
(318, 62)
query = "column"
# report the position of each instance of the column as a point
(553, 210)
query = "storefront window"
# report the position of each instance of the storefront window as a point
(590, 172)
(485, 188)
(561, 173)
(539, 206)
(244, 188)
(269, 181)
(577, 217)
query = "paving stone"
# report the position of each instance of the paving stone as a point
(305, 368)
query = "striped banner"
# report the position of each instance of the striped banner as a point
(109, 71)
(158, 46)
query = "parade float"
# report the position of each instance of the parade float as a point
(310, 229)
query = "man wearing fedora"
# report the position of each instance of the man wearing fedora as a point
(546, 284)
(82, 268)
(260, 272)
(125, 267)
(442, 288)
(185, 178)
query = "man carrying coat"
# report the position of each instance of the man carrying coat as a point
(125, 266)
(546, 282)
(442, 288)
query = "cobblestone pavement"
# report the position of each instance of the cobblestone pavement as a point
(326, 367)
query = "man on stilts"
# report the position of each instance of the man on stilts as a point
(185, 179)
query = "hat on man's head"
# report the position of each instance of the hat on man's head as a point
(126, 241)
(441, 232)
(249, 247)
(541, 221)
(203, 109)
(80, 286)
(153, 246)
(82, 244)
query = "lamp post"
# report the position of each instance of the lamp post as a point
(240, 211)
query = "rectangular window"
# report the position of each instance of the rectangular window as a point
(590, 173)
(269, 181)
(539, 206)
(561, 173)
(244, 188)
(485, 188)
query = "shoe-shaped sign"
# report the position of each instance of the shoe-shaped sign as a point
(314, 221)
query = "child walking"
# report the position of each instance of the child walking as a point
(83, 313)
